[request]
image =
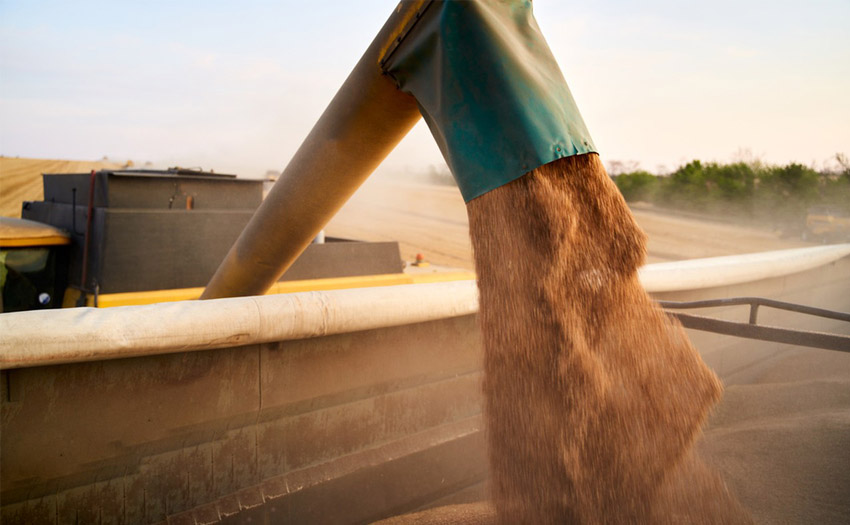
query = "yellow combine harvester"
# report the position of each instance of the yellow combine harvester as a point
(827, 224)
(129, 237)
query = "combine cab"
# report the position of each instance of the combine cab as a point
(33, 259)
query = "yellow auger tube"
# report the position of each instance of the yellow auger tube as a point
(363, 123)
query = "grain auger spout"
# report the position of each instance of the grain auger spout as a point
(481, 75)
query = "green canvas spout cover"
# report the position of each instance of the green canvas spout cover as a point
(489, 89)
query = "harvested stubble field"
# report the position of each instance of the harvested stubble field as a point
(431, 219)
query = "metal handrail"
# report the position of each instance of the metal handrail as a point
(753, 330)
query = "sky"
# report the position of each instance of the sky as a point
(236, 86)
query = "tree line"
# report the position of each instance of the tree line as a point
(779, 196)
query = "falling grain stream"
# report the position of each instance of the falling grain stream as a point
(594, 397)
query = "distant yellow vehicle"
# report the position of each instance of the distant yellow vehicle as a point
(827, 224)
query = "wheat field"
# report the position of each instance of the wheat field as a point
(20, 178)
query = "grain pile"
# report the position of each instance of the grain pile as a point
(594, 397)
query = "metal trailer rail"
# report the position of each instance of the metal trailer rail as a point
(753, 330)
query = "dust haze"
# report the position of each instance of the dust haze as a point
(431, 219)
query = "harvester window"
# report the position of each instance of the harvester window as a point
(27, 277)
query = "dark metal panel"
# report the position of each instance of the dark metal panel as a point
(173, 193)
(164, 249)
(142, 249)
(73, 188)
(115, 190)
(138, 250)
(345, 259)
(160, 250)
